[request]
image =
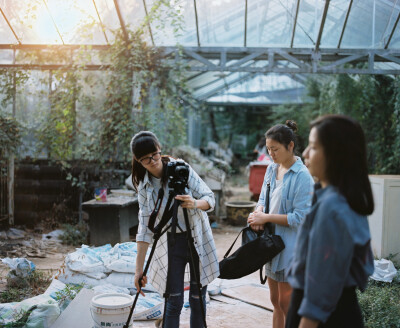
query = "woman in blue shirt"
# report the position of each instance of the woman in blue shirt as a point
(291, 187)
(333, 254)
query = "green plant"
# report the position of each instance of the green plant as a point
(93, 115)
(232, 122)
(10, 80)
(20, 317)
(66, 295)
(57, 132)
(380, 304)
(12, 294)
(75, 235)
(10, 137)
(373, 100)
(33, 285)
(10, 128)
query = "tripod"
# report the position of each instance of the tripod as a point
(159, 230)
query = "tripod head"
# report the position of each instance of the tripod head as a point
(178, 176)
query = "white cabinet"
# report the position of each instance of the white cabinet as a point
(384, 222)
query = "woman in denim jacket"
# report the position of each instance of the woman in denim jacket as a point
(291, 187)
(333, 254)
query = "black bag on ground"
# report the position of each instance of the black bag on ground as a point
(257, 249)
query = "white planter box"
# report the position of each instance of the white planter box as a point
(384, 222)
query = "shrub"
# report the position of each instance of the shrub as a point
(74, 235)
(380, 304)
(35, 284)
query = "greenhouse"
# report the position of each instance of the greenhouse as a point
(80, 78)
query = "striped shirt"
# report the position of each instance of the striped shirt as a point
(199, 224)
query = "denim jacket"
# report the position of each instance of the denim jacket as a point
(296, 198)
(333, 252)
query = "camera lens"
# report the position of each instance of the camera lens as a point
(181, 171)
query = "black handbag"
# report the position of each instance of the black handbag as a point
(257, 249)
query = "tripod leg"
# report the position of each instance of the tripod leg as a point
(156, 239)
(192, 258)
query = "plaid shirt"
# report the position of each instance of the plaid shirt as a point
(199, 224)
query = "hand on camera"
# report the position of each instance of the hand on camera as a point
(187, 201)
(138, 276)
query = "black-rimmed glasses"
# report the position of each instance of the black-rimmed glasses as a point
(147, 160)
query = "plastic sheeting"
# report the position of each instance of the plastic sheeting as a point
(384, 270)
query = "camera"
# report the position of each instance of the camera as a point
(178, 175)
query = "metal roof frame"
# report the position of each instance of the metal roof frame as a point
(295, 23)
(121, 21)
(302, 60)
(345, 24)
(197, 23)
(321, 28)
(54, 22)
(245, 24)
(392, 32)
(225, 86)
(148, 23)
(9, 25)
(103, 28)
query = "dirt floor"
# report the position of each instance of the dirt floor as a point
(242, 302)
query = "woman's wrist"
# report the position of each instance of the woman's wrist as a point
(195, 203)
(308, 323)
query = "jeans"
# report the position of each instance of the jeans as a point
(178, 257)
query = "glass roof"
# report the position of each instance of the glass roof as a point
(271, 89)
(367, 24)
(264, 23)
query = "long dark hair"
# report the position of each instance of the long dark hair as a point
(343, 141)
(283, 133)
(143, 143)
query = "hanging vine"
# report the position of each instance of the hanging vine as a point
(143, 91)
(10, 128)
(58, 131)
(140, 90)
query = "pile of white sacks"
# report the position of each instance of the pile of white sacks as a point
(101, 265)
(104, 269)
(109, 269)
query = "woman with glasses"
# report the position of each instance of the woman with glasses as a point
(167, 269)
(333, 254)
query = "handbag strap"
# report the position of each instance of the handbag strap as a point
(266, 207)
(263, 277)
(267, 226)
(230, 248)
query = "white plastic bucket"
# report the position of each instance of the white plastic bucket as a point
(111, 309)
